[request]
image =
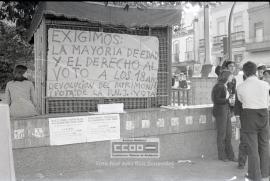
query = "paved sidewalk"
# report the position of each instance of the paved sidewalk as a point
(207, 169)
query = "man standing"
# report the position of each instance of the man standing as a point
(254, 96)
(261, 68)
(266, 76)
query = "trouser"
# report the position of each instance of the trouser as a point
(224, 134)
(256, 132)
(243, 146)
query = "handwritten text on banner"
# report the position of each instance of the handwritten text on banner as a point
(98, 64)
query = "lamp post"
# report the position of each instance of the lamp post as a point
(229, 33)
(207, 34)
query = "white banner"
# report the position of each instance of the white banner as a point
(98, 64)
(70, 130)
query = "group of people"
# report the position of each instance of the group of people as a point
(245, 97)
(179, 81)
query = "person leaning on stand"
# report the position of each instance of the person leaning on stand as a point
(20, 94)
(254, 96)
(221, 112)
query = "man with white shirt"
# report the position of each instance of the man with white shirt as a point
(254, 96)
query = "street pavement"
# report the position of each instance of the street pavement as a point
(196, 169)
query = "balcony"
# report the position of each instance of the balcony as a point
(258, 44)
(218, 43)
(238, 39)
(217, 40)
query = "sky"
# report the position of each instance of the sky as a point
(190, 13)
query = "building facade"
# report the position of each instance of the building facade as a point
(258, 44)
(183, 49)
(250, 35)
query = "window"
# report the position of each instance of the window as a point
(189, 49)
(237, 24)
(176, 51)
(221, 25)
(189, 44)
(238, 58)
(258, 31)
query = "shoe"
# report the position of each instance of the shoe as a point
(241, 167)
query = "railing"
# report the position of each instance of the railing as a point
(238, 36)
(180, 96)
(255, 40)
(258, 44)
(218, 39)
(189, 55)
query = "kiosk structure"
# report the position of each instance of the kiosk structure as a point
(88, 54)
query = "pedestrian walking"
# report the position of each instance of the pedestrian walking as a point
(254, 96)
(221, 111)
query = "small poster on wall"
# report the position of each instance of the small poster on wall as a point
(70, 130)
(98, 64)
(197, 70)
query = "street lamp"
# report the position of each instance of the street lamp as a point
(229, 33)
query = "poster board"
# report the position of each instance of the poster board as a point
(197, 70)
(81, 129)
(97, 64)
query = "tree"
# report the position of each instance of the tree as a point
(13, 50)
(18, 12)
(21, 12)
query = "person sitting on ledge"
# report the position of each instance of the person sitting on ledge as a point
(20, 94)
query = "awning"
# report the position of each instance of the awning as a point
(98, 12)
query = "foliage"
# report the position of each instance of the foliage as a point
(18, 12)
(21, 12)
(13, 50)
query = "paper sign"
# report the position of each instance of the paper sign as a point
(160, 123)
(130, 125)
(69, 130)
(175, 121)
(197, 70)
(189, 120)
(111, 108)
(145, 123)
(98, 64)
(19, 134)
(103, 127)
(38, 133)
(202, 119)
